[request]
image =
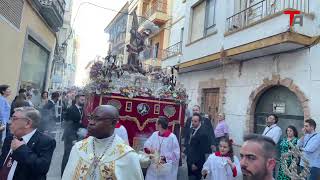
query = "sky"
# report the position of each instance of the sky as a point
(89, 26)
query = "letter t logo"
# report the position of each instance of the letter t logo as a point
(291, 13)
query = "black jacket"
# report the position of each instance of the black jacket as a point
(208, 128)
(196, 148)
(72, 122)
(33, 158)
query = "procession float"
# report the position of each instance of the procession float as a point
(141, 95)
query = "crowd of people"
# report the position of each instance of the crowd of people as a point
(222, 164)
(101, 149)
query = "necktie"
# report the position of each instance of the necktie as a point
(4, 172)
(192, 132)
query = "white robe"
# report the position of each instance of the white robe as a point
(171, 150)
(122, 132)
(120, 162)
(218, 168)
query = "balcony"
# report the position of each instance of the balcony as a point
(173, 50)
(52, 11)
(261, 11)
(157, 13)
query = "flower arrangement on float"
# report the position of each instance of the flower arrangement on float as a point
(104, 80)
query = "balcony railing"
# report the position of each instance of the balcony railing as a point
(52, 11)
(263, 10)
(152, 53)
(156, 7)
(172, 50)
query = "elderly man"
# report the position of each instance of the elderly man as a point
(103, 155)
(27, 154)
(258, 157)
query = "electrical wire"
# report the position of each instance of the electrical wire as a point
(96, 5)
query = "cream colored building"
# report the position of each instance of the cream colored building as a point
(152, 13)
(28, 39)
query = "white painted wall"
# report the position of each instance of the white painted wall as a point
(302, 67)
(178, 20)
(212, 44)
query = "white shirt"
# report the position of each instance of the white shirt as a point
(79, 109)
(274, 132)
(26, 139)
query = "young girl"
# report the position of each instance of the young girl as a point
(222, 165)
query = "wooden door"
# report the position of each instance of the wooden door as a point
(210, 103)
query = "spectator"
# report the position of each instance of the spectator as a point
(29, 97)
(27, 153)
(21, 96)
(206, 125)
(309, 144)
(291, 137)
(44, 99)
(258, 157)
(4, 109)
(222, 129)
(272, 130)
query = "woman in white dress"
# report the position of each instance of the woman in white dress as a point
(222, 165)
(165, 146)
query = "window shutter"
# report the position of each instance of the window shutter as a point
(11, 10)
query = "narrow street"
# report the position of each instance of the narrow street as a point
(55, 168)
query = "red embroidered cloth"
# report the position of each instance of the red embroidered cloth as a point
(138, 115)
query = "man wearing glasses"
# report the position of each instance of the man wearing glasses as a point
(27, 154)
(103, 155)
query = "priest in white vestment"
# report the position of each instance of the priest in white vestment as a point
(166, 150)
(103, 155)
(121, 131)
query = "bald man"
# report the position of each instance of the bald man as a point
(103, 155)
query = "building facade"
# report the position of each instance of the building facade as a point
(28, 39)
(117, 30)
(154, 15)
(245, 60)
(65, 62)
(173, 53)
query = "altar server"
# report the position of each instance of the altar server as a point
(222, 165)
(165, 147)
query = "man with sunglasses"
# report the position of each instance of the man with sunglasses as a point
(103, 155)
(27, 153)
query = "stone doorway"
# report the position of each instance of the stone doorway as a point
(284, 103)
(267, 85)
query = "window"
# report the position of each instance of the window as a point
(210, 16)
(34, 65)
(11, 10)
(203, 19)
(198, 17)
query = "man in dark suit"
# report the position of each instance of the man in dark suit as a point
(206, 124)
(196, 148)
(48, 112)
(26, 155)
(73, 119)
